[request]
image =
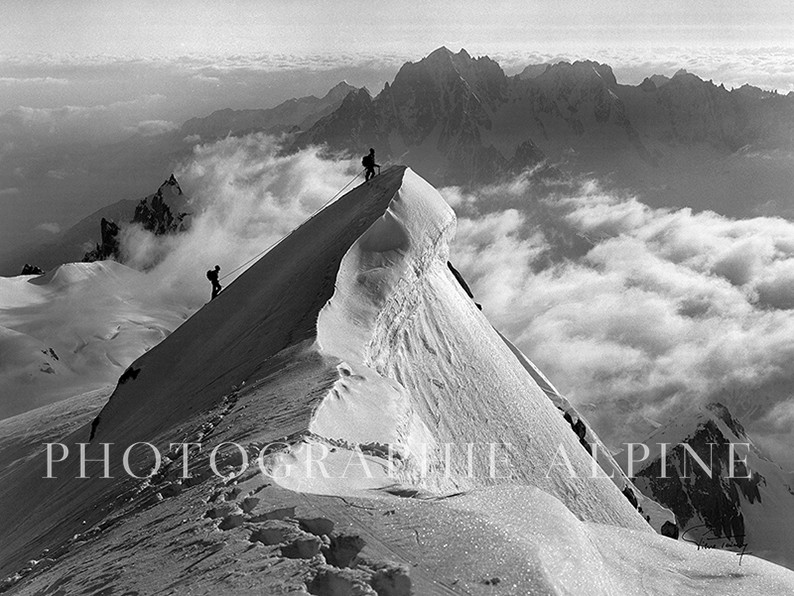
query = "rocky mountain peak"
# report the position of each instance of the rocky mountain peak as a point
(533, 70)
(170, 185)
(683, 76)
(444, 85)
(659, 80)
(722, 413)
(356, 97)
(163, 212)
(742, 498)
(579, 73)
(339, 91)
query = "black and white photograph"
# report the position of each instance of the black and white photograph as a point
(396, 298)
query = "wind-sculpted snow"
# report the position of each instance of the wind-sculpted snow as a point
(433, 375)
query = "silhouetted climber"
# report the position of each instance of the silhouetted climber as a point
(368, 161)
(212, 275)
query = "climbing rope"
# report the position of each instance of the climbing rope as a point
(277, 242)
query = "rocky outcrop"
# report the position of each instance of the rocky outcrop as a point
(108, 247)
(31, 270)
(164, 212)
(700, 500)
(670, 530)
(712, 502)
(154, 214)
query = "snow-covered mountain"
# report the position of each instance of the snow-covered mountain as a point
(749, 504)
(405, 447)
(75, 329)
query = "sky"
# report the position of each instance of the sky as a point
(178, 27)
(80, 72)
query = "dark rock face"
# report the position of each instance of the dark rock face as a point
(580, 429)
(631, 497)
(31, 270)
(463, 283)
(153, 213)
(108, 248)
(527, 155)
(705, 504)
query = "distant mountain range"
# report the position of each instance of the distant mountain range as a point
(677, 141)
(461, 120)
(294, 114)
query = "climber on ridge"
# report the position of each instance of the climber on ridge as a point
(212, 275)
(369, 164)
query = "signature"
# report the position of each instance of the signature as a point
(708, 541)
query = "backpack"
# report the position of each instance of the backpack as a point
(211, 275)
(368, 161)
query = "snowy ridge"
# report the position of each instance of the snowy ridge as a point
(422, 368)
(655, 513)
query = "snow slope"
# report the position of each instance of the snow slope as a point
(74, 330)
(349, 336)
(656, 514)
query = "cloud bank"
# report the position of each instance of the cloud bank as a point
(667, 308)
(244, 197)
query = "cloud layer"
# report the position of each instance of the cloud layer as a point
(244, 197)
(665, 309)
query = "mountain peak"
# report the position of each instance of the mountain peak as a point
(357, 97)
(460, 62)
(354, 269)
(170, 184)
(722, 413)
(340, 91)
(683, 75)
(579, 71)
(741, 498)
(713, 417)
(439, 53)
